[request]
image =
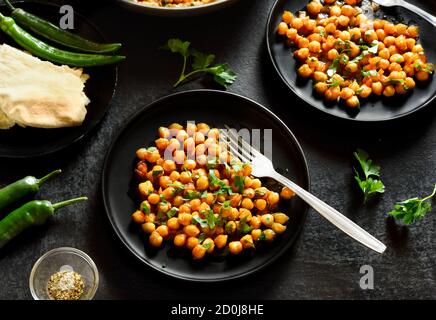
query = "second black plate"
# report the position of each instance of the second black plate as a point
(20, 142)
(216, 108)
(372, 110)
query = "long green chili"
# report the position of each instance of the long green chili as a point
(21, 188)
(35, 212)
(53, 33)
(45, 51)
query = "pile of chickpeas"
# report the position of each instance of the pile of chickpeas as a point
(175, 3)
(349, 56)
(196, 195)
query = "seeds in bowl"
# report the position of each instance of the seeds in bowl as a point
(198, 196)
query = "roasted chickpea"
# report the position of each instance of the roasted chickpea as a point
(389, 91)
(247, 242)
(155, 239)
(221, 241)
(145, 188)
(191, 230)
(305, 71)
(286, 193)
(209, 244)
(353, 102)
(247, 203)
(267, 220)
(173, 223)
(235, 247)
(278, 228)
(255, 222)
(192, 242)
(198, 252)
(255, 234)
(230, 227)
(138, 217)
(280, 218)
(148, 227)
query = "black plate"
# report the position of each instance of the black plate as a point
(372, 109)
(216, 108)
(20, 142)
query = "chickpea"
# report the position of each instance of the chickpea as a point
(273, 198)
(332, 93)
(260, 204)
(302, 54)
(173, 223)
(401, 29)
(180, 240)
(255, 183)
(335, 11)
(365, 91)
(351, 67)
(296, 23)
(247, 242)
(255, 234)
(148, 227)
(286, 193)
(381, 35)
(389, 91)
(269, 235)
(145, 188)
(230, 227)
(247, 203)
(305, 71)
(267, 220)
(191, 230)
(202, 183)
(138, 217)
(198, 252)
(164, 132)
(389, 28)
(280, 218)
(393, 50)
(287, 17)
(192, 242)
(151, 217)
(174, 176)
(409, 83)
(330, 28)
(355, 34)
(351, 2)
(321, 87)
(320, 76)
(377, 88)
(155, 239)
(255, 222)
(163, 231)
(314, 7)
(282, 28)
(209, 244)
(235, 247)
(309, 24)
(346, 93)
(412, 31)
(343, 21)
(332, 54)
(314, 47)
(278, 228)
(422, 76)
(221, 241)
(162, 143)
(353, 102)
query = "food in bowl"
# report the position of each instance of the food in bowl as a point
(197, 195)
(174, 3)
(350, 56)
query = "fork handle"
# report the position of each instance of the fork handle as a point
(427, 16)
(334, 216)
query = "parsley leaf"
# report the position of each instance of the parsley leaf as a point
(371, 183)
(412, 209)
(201, 63)
(244, 228)
(200, 221)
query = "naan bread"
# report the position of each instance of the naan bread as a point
(38, 93)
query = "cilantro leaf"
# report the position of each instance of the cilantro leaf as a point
(333, 67)
(210, 218)
(200, 221)
(244, 228)
(201, 60)
(214, 181)
(371, 183)
(239, 183)
(222, 74)
(172, 212)
(412, 209)
(369, 73)
(201, 63)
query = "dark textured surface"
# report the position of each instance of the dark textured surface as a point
(324, 263)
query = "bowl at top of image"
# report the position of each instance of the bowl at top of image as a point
(152, 7)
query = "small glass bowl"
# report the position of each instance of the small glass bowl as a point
(60, 259)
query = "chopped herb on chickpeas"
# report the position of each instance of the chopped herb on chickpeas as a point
(350, 57)
(207, 202)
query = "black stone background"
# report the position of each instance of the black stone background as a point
(324, 263)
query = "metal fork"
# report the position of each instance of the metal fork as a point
(263, 167)
(401, 3)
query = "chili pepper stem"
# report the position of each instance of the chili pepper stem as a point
(9, 5)
(68, 202)
(47, 177)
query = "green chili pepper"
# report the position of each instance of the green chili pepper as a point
(58, 35)
(35, 212)
(22, 188)
(45, 51)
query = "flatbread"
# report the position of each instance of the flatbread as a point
(38, 93)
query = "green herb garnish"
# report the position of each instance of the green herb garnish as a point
(200, 221)
(333, 67)
(172, 212)
(201, 63)
(412, 209)
(214, 181)
(371, 183)
(244, 228)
